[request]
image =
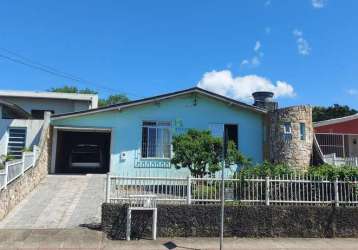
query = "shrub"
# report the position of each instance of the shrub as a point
(202, 153)
(266, 169)
(324, 171)
(332, 172)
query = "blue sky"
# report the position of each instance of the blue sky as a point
(304, 50)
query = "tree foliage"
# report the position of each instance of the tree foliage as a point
(73, 89)
(334, 111)
(324, 171)
(202, 153)
(112, 99)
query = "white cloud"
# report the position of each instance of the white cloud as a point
(241, 87)
(244, 62)
(303, 46)
(353, 91)
(318, 4)
(255, 60)
(297, 33)
(257, 46)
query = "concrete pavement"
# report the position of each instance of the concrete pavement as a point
(59, 201)
(54, 239)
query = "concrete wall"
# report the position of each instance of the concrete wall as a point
(240, 221)
(192, 112)
(33, 132)
(17, 190)
(34, 126)
(57, 105)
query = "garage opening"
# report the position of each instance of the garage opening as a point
(82, 152)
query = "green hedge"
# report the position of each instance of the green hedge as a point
(320, 172)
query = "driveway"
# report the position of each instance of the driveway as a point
(60, 201)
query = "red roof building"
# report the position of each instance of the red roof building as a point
(339, 136)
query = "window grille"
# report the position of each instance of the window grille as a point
(156, 139)
(16, 143)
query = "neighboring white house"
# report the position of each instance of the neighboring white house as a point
(22, 113)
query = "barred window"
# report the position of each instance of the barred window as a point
(17, 141)
(156, 139)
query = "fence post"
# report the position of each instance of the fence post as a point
(34, 154)
(267, 190)
(188, 190)
(356, 161)
(6, 175)
(336, 193)
(23, 163)
(334, 159)
(108, 187)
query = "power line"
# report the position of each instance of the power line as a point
(53, 71)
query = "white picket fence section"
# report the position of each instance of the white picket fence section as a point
(292, 189)
(16, 168)
(332, 159)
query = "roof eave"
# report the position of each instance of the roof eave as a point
(161, 98)
(335, 121)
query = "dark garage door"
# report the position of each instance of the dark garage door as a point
(83, 152)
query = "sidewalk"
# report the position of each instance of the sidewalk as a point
(70, 239)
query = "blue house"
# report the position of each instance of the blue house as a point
(134, 138)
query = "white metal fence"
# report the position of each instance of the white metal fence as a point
(293, 189)
(16, 168)
(340, 161)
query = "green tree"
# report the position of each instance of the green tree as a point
(112, 99)
(202, 153)
(331, 112)
(73, 89)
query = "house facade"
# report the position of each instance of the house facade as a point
(338, 136)
(140, 132)
(22, 114)
(134, 138)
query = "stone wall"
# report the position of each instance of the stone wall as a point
(17, 190)
(240, 221)
(294, 151)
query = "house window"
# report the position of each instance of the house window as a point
(229, 132)
(39, 113)
(156, 139)
(16, 143)
(8, 113)
(302, 131)
(287, 131)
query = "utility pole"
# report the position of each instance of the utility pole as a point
(222, 207)
(222, 193)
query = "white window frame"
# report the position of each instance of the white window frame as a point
(159, 125)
